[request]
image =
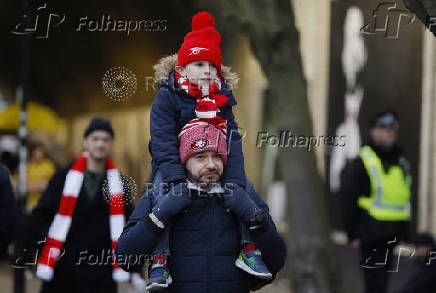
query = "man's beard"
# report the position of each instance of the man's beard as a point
(204, 184)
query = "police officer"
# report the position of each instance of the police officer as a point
(376, 191)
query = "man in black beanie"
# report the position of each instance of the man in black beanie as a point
(80, 222)
(99, 124)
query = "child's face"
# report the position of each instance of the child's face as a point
(198, 72)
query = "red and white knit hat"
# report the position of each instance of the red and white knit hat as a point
(200, 136)
(202, 44)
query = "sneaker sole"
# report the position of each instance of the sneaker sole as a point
(156, 286)
(240, 264)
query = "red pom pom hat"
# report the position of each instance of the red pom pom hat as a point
(202, 44)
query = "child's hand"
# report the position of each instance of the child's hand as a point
(238, 200)
(172, 203)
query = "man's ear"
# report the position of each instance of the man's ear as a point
(181, 70)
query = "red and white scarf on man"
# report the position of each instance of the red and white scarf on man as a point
(208, 97)
(62, 221)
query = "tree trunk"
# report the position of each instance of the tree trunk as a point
(274, 39)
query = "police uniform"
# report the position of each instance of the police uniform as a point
(376, 190)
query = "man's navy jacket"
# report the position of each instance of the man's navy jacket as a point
(204, 244)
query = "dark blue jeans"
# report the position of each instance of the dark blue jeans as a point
(162, 246)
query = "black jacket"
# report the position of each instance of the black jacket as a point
(355, 182)
(88, 244)
(7, 211)
(204, 244)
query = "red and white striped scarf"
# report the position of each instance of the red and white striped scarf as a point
(62, 221)
(208, 98)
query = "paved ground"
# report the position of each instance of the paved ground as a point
(351, 275)
(348, 268)
(33, 284)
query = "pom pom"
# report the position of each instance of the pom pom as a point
(201, 20)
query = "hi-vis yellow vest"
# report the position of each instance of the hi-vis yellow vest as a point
(390, 191)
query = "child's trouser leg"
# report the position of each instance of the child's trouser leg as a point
(159, 190)
(159, 276)
(250, 258)
(162, 246)
(245, 234)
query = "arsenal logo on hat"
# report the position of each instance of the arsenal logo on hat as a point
(199, 144)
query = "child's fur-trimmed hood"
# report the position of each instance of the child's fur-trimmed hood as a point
(167, 64)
